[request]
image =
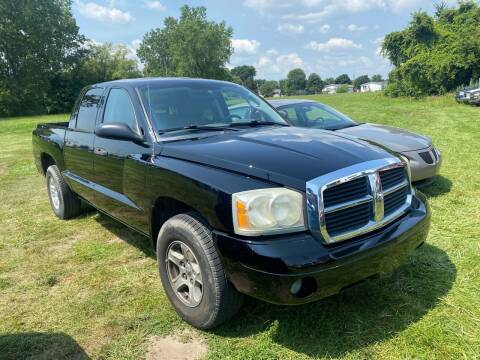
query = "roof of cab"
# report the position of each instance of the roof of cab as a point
(283, 102)
(155, 80)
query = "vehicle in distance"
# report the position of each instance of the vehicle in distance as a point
(231, 205)
(423, 156)
(469, 96)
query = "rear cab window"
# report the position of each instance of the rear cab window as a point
(85, 115)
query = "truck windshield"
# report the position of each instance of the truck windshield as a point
(187, 105)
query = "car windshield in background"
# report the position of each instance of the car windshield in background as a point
(195, 105)
(316, 115)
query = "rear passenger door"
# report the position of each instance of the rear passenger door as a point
(78, 150)
(120, 165)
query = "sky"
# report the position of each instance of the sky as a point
(328, 37)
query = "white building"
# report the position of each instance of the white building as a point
(332, 88)
(372, 86)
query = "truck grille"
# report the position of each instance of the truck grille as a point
(361, 202)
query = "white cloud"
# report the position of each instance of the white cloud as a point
(314, 11)
(354, 27)
(98, 12)
(325, 28)
(272, 64)
(291, 28)
(245, 46)
(333, 44)
(362, 60)
(154, 5)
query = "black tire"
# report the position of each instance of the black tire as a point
(69, 204)
(220, 300)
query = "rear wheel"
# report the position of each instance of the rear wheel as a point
(192, 274)
(65, 203)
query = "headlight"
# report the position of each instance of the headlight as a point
(267, 211)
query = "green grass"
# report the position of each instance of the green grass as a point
(89, 287)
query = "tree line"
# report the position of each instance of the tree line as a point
(45, 61)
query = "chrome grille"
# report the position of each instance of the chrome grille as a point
(349, 191)
(358, 199)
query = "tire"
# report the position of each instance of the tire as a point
(219, 300)
(65, 203)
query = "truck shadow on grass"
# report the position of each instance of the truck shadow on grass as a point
(35, 345)
(439, 185)
(374, 311)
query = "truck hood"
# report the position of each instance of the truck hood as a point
(395, 139)
(288, 156)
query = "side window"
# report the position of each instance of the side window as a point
(87, 111)
(313, 113)
(119, 108)
(291, 113)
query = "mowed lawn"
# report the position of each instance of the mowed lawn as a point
(89, 288)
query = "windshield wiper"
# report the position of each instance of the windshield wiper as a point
(256, 123)
(195, 127)
(345, 127)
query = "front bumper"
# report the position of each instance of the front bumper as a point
(420, 169)
(267, 269)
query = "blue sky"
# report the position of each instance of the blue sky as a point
(329, 37)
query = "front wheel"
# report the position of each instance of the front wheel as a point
(192, 274)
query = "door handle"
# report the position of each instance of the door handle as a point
(100, 151)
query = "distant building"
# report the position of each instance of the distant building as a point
(373, 86)
(277, 93)
(332, 88)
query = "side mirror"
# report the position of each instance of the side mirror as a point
(118, 131)
(284, 114)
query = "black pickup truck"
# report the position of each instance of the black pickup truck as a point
(231, 205)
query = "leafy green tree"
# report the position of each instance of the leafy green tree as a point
(39, 39)
(259, 83)
(283, 86)
(246, 74)
(329, 81)
(189, 46)
(110, 62)
(362, 79)
(314, 84)
(342, 89)
(296, 81)
(343, 79)
(377, 78)
(268, 88)
(434, 55)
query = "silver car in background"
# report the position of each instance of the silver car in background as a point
(424, 157)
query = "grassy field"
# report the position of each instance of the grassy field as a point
(88, 287)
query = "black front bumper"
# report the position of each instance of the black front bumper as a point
(267, 269)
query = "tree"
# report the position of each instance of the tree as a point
(110, 62)
(246, 74)
(190, 46)
(283, 86)
(377, 78)
(343, 79)
(329, 81)
(268, 88)
(434, 55)
(39, 39)
(296, 81)
(342, 89)
(360, 80)
(314, 84)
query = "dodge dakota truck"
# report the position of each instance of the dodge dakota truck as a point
(231, 204)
